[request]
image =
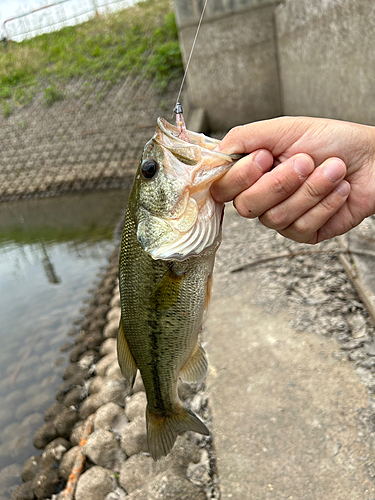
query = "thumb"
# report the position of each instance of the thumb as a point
(275, 135)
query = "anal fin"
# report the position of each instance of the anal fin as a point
(196, 367)
(125, 358)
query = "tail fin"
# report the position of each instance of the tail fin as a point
(163, 431)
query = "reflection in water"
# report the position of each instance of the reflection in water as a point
(50, 252)
(48, 267)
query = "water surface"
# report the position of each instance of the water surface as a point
(51, 251)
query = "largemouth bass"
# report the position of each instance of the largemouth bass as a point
(172, 231)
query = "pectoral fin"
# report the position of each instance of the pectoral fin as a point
(125, 359)
(196, 367)
(167, 291)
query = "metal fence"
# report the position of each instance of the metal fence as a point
(57, 15)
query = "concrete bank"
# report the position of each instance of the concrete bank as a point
(286, 341)
(257, 59)
(90, 140)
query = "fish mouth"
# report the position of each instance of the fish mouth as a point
(196, 139)
(197, 226)
(172, 133)
(199, 158)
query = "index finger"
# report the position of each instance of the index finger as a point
(275, 135)
(244, 173)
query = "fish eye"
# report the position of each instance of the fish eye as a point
(149, 169)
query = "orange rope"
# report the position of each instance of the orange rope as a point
(79, 462)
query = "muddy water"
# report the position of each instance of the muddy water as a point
(50, 253)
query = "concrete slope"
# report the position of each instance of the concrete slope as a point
(287, 405)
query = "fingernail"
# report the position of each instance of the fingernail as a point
(343, 188)
(228, 151)
(302, 165)
(334, 170)
(264, 160)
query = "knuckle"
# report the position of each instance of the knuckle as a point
(235, 132)
(244, 212)
(243, 177)
(217, 194)
(328, 204)
(274, 219)
(312, 190)
(242, 208)
(303, 239)
(282, 186)
(301, 230)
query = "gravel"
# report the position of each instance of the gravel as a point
(110, 416)
(134, 437)
(30, 468)
(103, 449)
(45, 435)
(66, 464)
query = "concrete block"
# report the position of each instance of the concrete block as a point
(233, 73)
(327, 58)
(189, 12)
(198, 121)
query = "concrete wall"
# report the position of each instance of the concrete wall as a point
(327, 58)
(188, 12)
(256, 59)
(233, 73)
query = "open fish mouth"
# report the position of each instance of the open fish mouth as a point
(206, 163)
(194, 223)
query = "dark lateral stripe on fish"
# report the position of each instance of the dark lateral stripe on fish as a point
(154, 344)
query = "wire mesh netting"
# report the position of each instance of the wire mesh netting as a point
(93, 141)
(84, 125)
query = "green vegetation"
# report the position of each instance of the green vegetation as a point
(7, 107)
(53, 234)
(52, 94)
(141, 40)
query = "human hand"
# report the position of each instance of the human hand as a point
(323, 186)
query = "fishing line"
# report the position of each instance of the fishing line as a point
(191, 53)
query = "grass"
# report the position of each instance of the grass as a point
(53, 234)
(141, 40)
(52, 94)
